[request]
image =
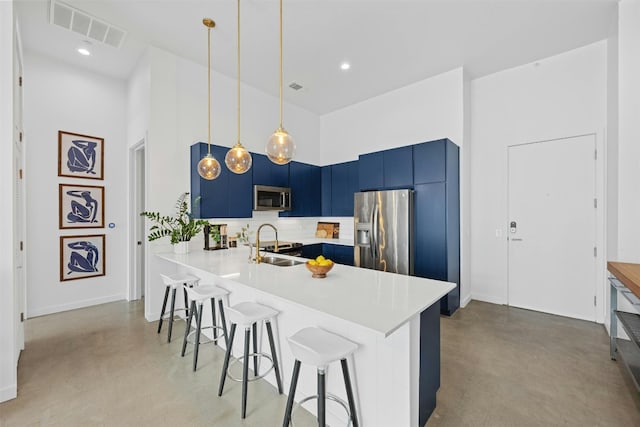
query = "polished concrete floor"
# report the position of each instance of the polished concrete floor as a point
(106, 366)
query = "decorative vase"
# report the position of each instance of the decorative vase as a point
(181, 247)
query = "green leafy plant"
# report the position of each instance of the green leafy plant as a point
(181, 227)
(244, 234)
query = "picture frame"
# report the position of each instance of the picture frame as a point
(80, 206)
(82, 257)
(80, 156)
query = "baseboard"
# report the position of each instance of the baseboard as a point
(74, 305)
(487, 298)
(8, 393)
(465, 301)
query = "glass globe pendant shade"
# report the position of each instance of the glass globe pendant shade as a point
(209, 167)
(238, 159)
(280, 147)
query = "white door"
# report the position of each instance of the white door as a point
(552, 227)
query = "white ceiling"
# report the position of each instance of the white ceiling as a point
(389, 43)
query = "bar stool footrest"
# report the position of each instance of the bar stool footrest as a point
(254, 377)
(329, 396)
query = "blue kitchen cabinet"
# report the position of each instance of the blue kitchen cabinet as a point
(430, 161)
(437, 224)
(325, 184)
(265, 172)
(370, 171)
(312, 251)
(228, 196)
(342, 254)
(386, 170)
(344, 183)
(306, 192)
(398, 168)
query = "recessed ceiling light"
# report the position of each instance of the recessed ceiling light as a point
(345, 66)
(83, 51)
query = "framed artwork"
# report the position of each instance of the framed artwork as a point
(80, 206)
(81, 257)
(80, 156)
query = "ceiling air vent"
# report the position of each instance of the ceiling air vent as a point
(295, 86)
(82, 23)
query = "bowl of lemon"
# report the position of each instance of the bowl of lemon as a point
(319, 266)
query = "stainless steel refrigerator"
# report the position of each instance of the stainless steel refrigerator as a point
(383, 228)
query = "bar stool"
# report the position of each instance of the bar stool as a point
(173, 281)
(198, 295)
(247, 315)
(317, 347)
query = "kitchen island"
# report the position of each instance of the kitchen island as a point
(394, 319)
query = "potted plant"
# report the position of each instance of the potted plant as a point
(180, 227)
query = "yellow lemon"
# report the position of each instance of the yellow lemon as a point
(320, 258)
(313, 262)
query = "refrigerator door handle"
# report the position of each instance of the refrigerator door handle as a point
(374, 235)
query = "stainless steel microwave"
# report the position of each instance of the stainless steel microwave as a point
(266, 198)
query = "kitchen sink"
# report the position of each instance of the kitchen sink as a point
(280, 262)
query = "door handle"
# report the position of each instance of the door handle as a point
(516, 240)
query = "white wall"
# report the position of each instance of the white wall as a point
(8, 368)
(560, 96)
(424, 111)
(629, 132)
(61, 97)
(428, 110)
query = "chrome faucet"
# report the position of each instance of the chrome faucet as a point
(258, 256)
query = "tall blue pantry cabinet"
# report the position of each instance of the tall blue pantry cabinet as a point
(436, 182)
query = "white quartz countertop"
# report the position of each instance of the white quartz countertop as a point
(373, 299)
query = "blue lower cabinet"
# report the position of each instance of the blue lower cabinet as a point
(312, 251)
(342, 254)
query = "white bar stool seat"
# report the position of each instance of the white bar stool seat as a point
(317, 347)
(173, 282)
(247, 315)
(198, 295)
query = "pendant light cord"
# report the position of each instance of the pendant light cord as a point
(280, 64)
(209, 91)
(238, 71)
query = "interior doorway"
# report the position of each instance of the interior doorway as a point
(552, 230)
(137, 162)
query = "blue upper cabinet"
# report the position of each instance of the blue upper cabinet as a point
(398, 168)
(370, 171)
(430, 161)
(344, 183)
(386, 170)
(265, 172)
(228, 196)
(325, 183)
(306, 192)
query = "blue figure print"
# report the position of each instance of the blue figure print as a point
(80, 263)
(82, 212)
(82, 157)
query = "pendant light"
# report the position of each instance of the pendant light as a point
(208, 166)
(238, 159)
(280, 147)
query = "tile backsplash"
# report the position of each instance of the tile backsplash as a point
(291, 229)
